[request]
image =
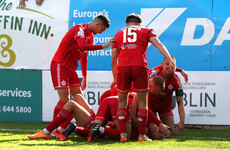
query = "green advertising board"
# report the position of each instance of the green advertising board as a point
(21, 95)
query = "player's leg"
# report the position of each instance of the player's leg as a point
(140, 82)
(62, 116)
(75, 91)
(59, 76)
(124, 81)
(82, 117)
(169, 121)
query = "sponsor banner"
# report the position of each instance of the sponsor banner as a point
(20, 96)
(30, 36)
(97, 83)
(205, 98)
(195, 32)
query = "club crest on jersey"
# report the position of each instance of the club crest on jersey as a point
(170, 87)
(81, 34)
(63, 82)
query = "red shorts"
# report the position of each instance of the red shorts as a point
(132, 74)
(63, 77)
(163, 112)
(107, 110)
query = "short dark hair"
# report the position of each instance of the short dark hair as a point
(133, 18)
(173, 58)
(103, 19)
(159, 81)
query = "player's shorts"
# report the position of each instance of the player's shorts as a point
(132, 74)
(164, 112)
(63, 77)
(107, 110)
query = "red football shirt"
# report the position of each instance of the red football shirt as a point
(72, 46)
(132, 44)
(164, 101)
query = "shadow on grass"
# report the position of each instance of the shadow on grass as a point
(75, 141)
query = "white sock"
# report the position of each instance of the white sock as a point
(102, 129)
(46, 131)
(61, 129)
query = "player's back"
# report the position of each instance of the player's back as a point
(132, 43)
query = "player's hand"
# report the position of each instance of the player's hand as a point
(164, 129)
(172, 65)
(185, 75)
(110, 42)
(22, 3)
(83, 83)
(179, 128)
(39, 2)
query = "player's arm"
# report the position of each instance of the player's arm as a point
(114, 66)
(163, 50)
(180, 103)
(84, 60)
(90, 47)
(183, 73)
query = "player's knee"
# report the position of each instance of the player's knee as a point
(77, 96)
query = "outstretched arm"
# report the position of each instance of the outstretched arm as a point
(163, 50)
(114, 66)
(180, 125)
(84, 60)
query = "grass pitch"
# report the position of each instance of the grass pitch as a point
(14, 136)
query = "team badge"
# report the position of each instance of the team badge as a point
(63, 82)
(170, 87)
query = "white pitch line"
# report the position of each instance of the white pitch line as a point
(203, 138)
(21, 130)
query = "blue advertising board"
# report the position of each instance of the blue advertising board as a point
(195, 32)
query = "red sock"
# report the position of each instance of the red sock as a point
(142, 116)
(62, 116)
(112, 133)
(122, 115)
(82, 131)
(58, 108)
(65, 124)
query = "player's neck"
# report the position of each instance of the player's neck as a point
(165, 75)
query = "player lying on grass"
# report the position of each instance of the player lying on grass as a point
(71, 109)
(83, 119)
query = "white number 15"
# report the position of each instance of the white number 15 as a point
(131, 36)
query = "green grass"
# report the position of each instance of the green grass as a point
(14, 136)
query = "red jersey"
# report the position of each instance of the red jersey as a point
(155, 71)
(164, 101)
(132, 44)
(72, 46)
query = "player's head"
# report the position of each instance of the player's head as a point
(133, 19)
(100, 24)
(165, 65)
(156, 85)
